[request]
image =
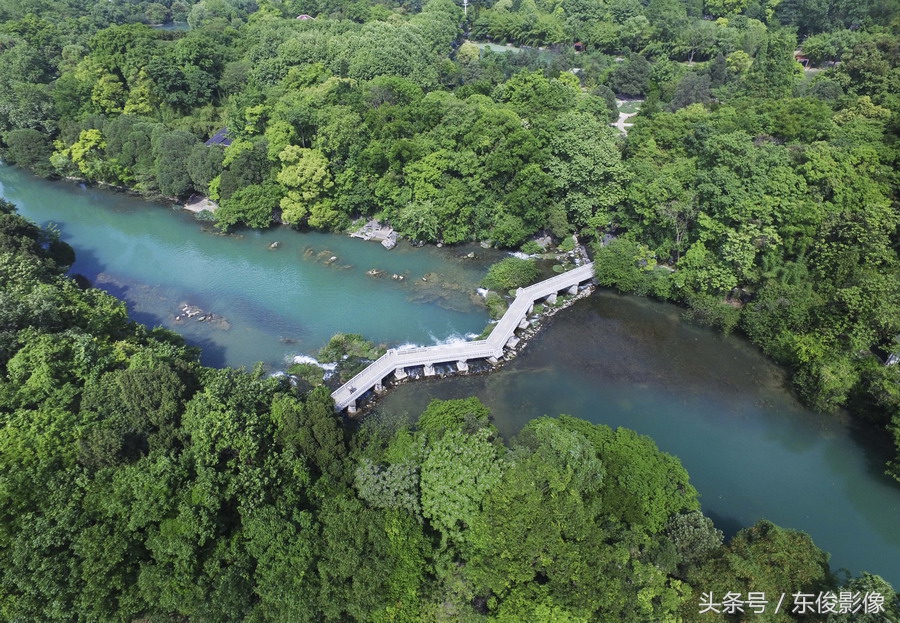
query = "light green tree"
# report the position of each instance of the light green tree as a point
(307, 180)
(458, 471)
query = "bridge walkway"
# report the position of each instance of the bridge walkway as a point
(395, 360)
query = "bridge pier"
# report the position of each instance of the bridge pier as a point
(397, 362)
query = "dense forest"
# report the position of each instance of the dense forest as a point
(136, 484)
(759, 193)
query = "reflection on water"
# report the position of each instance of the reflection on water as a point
(752, 451)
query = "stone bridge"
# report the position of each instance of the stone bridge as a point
(396, 360)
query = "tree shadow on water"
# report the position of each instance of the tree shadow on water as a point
(90, 270)
(728, 525)
(211, 354)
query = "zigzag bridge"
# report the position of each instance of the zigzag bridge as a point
(396, 360)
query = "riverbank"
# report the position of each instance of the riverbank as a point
(753, 451)
(713, 401)
(279, 304)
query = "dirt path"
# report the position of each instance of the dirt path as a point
(622, 123)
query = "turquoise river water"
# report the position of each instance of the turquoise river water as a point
(752, 451)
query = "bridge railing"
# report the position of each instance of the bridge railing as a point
(425, 349)
(369, 369)
(444, 356)
(460, 351)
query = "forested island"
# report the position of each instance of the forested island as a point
(757, 188)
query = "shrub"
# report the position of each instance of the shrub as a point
(567, 244)
(511, 273)
(352, 353)
(345, 345)
(495, 304)
(615, 266)
(309, 372)
(532, 248)
(712, 311)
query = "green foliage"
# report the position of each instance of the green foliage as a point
(394, 486)
(632, 78)
(344, 345)
(531, 247)
(762, 240)
(694, 537)
(588, 169)
(172, 150)
(644, 486)
(713, 311)
(441, 416)
(351, 352)
(252, 205)
(551, 470)
(511, 273)
(774, 71)
(496, 305)
(567, 244)
(311, 429)
(458, 470)
(203, 165)
(694, 88)
(128, 410)
(868, 583)
(29, 148)
(138, 484)
(304, 173)
(762, 558)
(615, 265)
(309, 372)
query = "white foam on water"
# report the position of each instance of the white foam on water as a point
(520, 255)
(407, 345)
(328, 367)
(454, 338)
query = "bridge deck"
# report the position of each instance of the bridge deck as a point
(493, 346)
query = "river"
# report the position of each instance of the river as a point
(715, 402)
(275, 303)
(752, 451)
